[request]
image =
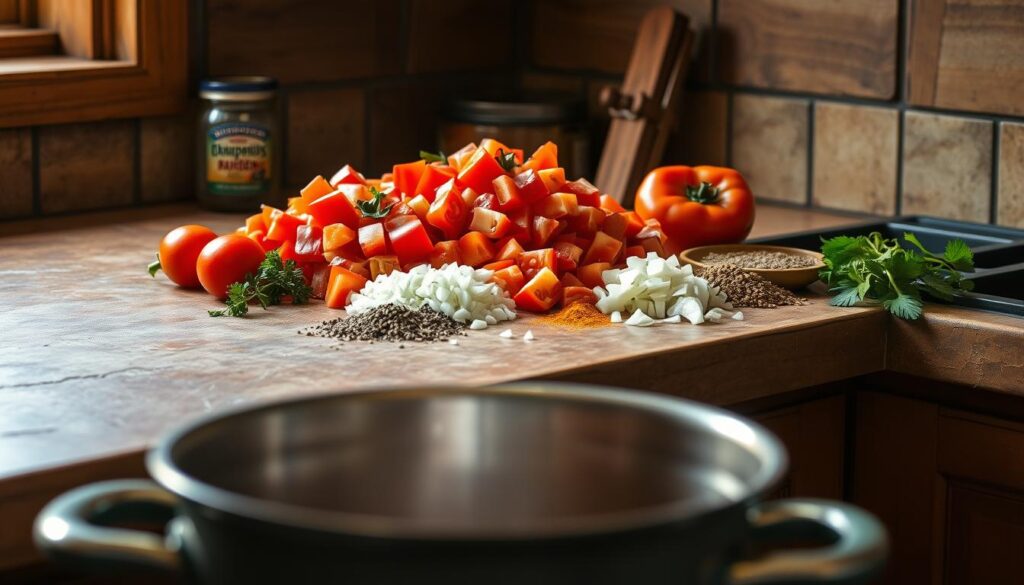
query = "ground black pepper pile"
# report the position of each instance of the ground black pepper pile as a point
(389, 323)
(746, 289)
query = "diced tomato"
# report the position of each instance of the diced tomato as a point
(636, 250)
(590, 274)
(480, 171)
(532, 261)
(337, 235)
(492, 146)
(342, 284)
(448, 211)
(260, 239)
(382, 265)
(445, 253)
(499, 264)
(557, 205)
(409, 239)
(609, 204)
(419, 206)
(553, 179)
(654, 245)
(475, 249)
(569, 279)
(487, 201)
(652, 229)
(577, 294)
(567, 256)
(588, 220)
(604, 249)
(296, 206)
(540, 293)
(400, 208)
(543, 230)
(254, 223)
(469, 197)
(282, 229)
(615, 226)
(510, 278)
(319, 281)
(309, 243)
(407, 176)
(507, 193)
(523, 225)
(316, 189)
(355, 193)
(269, 213)
(457, 159)
(433, 177)
(585, 192)
(531, 187)
(335, 207)
(347, 175)
(633, 224)
(510, 251)
(493, 224)
(545, 157)
(287, 252)
(357, 266)
(372, 240)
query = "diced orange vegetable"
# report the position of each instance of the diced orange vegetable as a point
(492, 146)
(335, 207)
(407, 176)
(347, 175)
(493, 224)
(254, 223)
(269, 213)
(585, 192)
(510, 278)
(382, 265)
(543, 230)
(409, 239)
(319, 280)
(316, 189)
(507, 193)
(588, 220)
(469, 196)
(357, 266)
(510, 251)
(296, 205)
(590, 274)
(433, 177)
(419, 206)
(553, 179)
(261, 239)
(567, 256)
(342, 284)
(309, 244)
(569, 279)
(545, 157)
(654, 245)
(533, 261)
(609, 204)
(445, 253)
(282, 229)
(499, 264)
(604, 249)
(540, 293)
(557, 205)
(615, 226)
(457, 159)
(633, 224)
(372, 240)
(577, 294)
(480, 172)
(475, 249)
(448, 211)
(337, 235)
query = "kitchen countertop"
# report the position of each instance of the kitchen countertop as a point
(101, 359)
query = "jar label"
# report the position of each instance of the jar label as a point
(238, 159)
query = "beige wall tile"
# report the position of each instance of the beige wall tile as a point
(326, 129)
(769, 145)
(16, 162)
(598, 34)
(303, 41)
(947, 166)
(454, 35)
(810, 45)
(86, 166)
(1011, 175)
(701, 136)
(856, 149)
(167, 148)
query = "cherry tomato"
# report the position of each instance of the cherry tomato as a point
(179, 251)
(226, 260)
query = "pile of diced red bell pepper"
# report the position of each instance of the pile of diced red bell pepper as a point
(547, 239)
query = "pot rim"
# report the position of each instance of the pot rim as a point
(749, 434)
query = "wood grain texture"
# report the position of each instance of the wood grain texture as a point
(304, 41)
(27, 42)
(86, 166)
(835, 47)
(947, 166)
(814, 434)
(856, 149)
(452, 35)
(167, 158)
(967, 55)
(16, 162)
(326, 129)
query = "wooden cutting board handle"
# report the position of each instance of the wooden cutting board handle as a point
(644, 108)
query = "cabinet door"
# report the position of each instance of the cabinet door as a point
(813, 433)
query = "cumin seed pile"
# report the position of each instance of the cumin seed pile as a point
(760, 259)
(394, 323)
(746, 289)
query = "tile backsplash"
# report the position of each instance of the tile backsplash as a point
(861, 106)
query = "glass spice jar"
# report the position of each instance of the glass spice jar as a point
(238, 155)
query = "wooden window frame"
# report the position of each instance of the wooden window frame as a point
(139, 68)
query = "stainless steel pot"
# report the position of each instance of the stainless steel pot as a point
(534, 483)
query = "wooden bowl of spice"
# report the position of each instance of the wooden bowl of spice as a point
(791, 268)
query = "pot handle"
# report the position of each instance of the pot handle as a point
(68, 529)
(856, 553)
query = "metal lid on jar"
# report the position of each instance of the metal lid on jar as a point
(515, 111)
(239, 88)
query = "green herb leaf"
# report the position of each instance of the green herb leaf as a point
(273, 281)
(431, 157)
(372, 208)
(847, 297)
(154, 266)
(959, 255)
(507, 160)
(904, 306)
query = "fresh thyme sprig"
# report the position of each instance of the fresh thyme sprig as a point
(372, 208)
(273, 281)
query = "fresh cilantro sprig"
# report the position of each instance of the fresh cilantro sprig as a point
(432, 157)
(507, 160)
(273, 281)
(871, 270)
(372, 208)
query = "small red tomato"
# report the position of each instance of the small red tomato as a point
(179, 251)
(226, 260)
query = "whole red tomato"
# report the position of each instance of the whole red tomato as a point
(697, 206)
(179, 251)
(227, 260)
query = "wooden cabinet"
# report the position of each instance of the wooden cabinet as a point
(814, 435)
(948, 484)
